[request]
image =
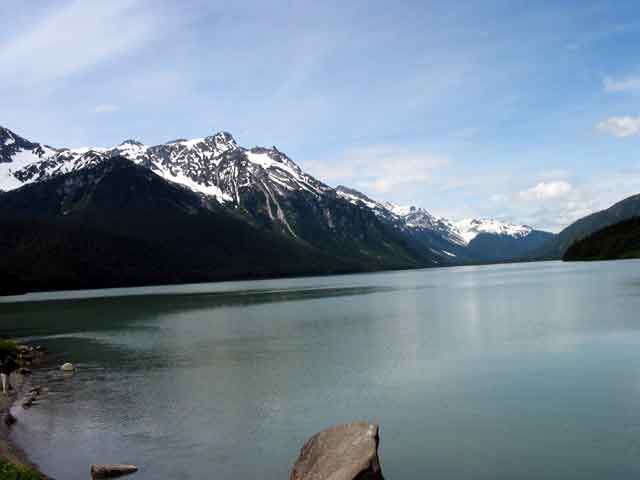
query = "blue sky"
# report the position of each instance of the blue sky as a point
(523, 111)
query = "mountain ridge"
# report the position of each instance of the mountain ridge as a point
(83, 230)
(273, 193)
(618, 241)
(556, 247)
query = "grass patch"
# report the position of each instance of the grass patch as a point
(9, 471)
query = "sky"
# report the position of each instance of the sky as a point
(523, 111)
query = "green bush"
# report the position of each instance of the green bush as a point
(8, 471)
(8, 347)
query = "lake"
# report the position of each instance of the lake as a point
(522, 371)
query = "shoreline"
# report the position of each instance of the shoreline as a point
(10, 452)
(163, 290)
(20, 296)
(350, 448)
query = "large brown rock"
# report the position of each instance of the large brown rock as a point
(342, 452)
(110, 470)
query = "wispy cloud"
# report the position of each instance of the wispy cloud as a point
(547, 190)
(73, 38)
(629, 84)
(620, 127)
(548, 205)
(106, 108)
(381, 169)
(552, 205)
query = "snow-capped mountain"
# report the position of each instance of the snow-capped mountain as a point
(467, 240)
(460, 232)
(274, 193)
(420, 219)
(411, 218)
(261, 185)
(470, 228)
(214, 165)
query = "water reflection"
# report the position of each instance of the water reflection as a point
(513, 371)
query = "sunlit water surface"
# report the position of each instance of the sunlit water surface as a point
(525, 371)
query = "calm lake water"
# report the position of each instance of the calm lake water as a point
(524, 371)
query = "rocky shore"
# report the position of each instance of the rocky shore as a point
(13, 460)
(342, 452)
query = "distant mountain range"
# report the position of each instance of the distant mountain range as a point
(209, 209)
(468, 241)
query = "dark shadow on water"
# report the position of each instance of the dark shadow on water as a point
(67, 316)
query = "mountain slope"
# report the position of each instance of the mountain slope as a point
(497, 247)
(463, 241)
(266, 189)
(119, 224)
(424, 231)
(455, 242)
(557, 246)
(261, 185)
(617, 241)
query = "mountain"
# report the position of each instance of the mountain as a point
(263, 185)
(213, 193)
(618, 241)
(120, 224)
(504, 247)
(463, 241)
(224, 211)
(558, 245)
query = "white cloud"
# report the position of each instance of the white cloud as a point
(75, 37)
(630, 84)
(380, 169)
(620, 127)
(547, 190)
(545, 205)
(106, 108)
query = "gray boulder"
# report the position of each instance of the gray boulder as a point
(342, 452)
(111, 470)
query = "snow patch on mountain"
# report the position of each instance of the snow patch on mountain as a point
(401, 211)
(180, 178)
(461, 232)
(214, 166)
(469, 229)
(264, 160)
(22, 159)
(358, 198)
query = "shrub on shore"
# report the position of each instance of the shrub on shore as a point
(9, 471)
(8, 347)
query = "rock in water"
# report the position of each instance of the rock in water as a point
(67, 367)
(111, 470)
(9, 419)
(342, 452)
